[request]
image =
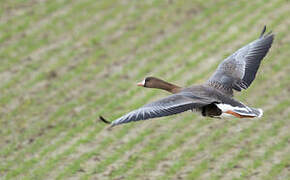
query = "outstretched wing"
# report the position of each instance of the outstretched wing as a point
(239, 70)
(170, 105)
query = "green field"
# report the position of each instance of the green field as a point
(64, 63)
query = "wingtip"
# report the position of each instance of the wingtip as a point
(263, 31)
(268, 35)
(104, 120)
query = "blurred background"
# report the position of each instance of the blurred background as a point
(63, 63)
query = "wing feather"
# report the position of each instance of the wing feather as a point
(170, 105)
(239, 70)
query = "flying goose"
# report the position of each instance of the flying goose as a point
(214, 98)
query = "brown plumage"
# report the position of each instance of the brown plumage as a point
(153, 82)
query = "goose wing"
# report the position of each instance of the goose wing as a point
(170, 105)
(239, 70)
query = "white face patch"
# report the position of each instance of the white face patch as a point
(143, 82)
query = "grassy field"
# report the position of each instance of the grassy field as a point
(63, 63)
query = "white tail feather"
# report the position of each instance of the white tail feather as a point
(261, 112)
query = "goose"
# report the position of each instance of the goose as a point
(214, 98)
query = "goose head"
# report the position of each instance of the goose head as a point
(150, 82)
(153, 82)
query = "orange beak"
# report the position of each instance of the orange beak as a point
(140, 84)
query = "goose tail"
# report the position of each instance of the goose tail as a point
(240, 112)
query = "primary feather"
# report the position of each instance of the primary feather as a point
(239, 70)
(170, 105)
